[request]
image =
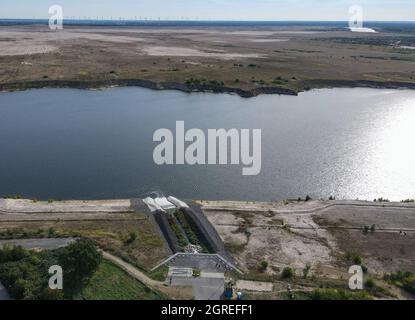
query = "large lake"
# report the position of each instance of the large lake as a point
(68, 144)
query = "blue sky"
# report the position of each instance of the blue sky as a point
(394, 10)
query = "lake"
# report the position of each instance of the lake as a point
(81, 144)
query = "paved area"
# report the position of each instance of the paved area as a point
(209, 286)
(43, 244)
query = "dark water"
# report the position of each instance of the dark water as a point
(349, 143)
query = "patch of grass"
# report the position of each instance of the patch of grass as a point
(339, 294)
(160, 274)
(112, 283)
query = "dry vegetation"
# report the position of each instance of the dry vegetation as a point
(114, 233)
(233, 57)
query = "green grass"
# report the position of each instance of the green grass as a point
(112, 283)
(160, 274)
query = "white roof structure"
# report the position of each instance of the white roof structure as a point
(164, 204)
(178, 203)
(152, 205)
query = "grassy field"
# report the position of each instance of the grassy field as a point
(112, 283)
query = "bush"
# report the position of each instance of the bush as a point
(263, 266)
(370, 284)
(287, 273)
(357, 260)
(306, 271)
(131, 238)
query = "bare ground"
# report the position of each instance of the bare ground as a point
(317, 233)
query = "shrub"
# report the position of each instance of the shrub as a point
(287, 273)
(357, 260)
(370, 284)
(131, 238)
(306, 271)
(263, 266)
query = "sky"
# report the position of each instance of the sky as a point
(385, 10)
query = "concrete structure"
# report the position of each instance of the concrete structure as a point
(208, 286)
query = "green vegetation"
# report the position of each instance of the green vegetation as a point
(110, 235)
(339, 294)
(408, 201)
(196, 272)
(263, 266)
(25, 273)
(306, 271)
(353, 257)
(160, 274)
(15, 197)
(204, 82)
(288, 273)
(187, 229)
(131, 238)
(79, 261)
(404, 280)
(180, 237)
(112, 283)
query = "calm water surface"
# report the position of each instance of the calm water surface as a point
(66, 144)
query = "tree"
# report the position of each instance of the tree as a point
(79, 262)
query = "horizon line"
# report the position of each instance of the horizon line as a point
(199, 20)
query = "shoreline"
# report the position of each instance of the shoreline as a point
(105, 84)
